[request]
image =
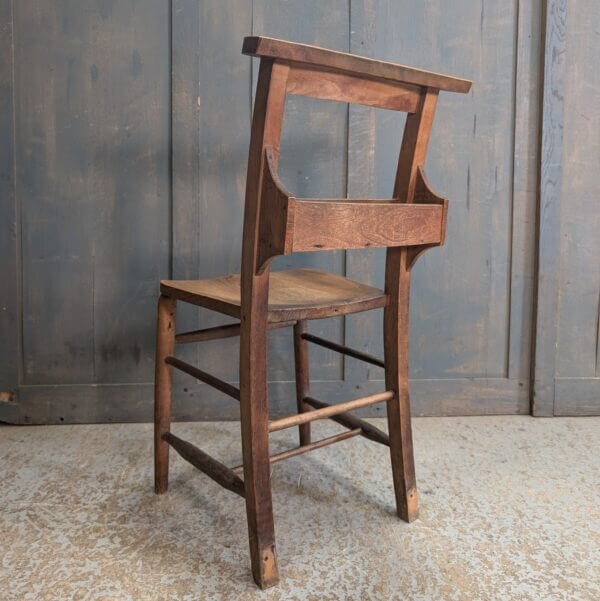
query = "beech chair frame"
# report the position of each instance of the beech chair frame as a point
(276, 223)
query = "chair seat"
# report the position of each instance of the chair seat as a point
(294, 294)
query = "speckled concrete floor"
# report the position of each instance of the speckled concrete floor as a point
(510, 510)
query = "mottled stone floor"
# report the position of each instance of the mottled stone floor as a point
(510, 510)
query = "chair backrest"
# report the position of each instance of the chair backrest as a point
(276, 222)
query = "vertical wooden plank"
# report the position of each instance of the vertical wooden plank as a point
(549, 212)
(53, 181)
(92, 93)
(525, 187)
(362, 329)
(461, 292)
(127, 127)
(10, 350)
(579, 296)
(185, 124)
(211, 131)
(312, 161)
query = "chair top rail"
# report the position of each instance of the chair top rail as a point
(265, 47)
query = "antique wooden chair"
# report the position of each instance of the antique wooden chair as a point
(276, 223)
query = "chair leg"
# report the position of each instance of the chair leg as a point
(398, 408)
(165, 344)
(302, 377)
(255, 448)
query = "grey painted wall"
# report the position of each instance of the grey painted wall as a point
(126, 127)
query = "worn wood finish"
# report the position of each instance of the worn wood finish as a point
(306, 448)
(310, 416)
(359, 65)
(258, 299)
(340, 348)
(225, 387)
(293, 295)
(218, 332)
(328, 84)
(165, 343)
(290, 224)
(214, 469)
(266, 131)
(302, 377)
(352, 422)
(329, 225)
(395, 318)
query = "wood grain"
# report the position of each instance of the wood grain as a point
(313, 55)
(10, 296)
(550, 189)
(328, 84)
(309, 416)
(301, 365)
(214, 469)
(163, 385)
(207, 378)
(266, 131)
(293, 295)
(329, 225)
(306, 448)
(350, 421)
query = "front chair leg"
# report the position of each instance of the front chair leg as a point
(165, 344)
(255, 448)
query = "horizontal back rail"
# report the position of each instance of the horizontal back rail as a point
(328, 225)
(265, 47)
(289, 224)
(329, 84)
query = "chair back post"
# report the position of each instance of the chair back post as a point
(413, 152)
(266, 131)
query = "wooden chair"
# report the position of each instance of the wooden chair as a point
(277, 223)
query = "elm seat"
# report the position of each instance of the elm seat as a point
(293, 294)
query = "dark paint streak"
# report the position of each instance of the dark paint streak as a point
(468, 187)
(481, 20)
(136, 64)
(598, 334)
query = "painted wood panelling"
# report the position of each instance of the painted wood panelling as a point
(568, 355)
(10, 335)
(471, 300)
(131, 129)
(92, 155)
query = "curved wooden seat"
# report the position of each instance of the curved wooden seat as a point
(293, 295)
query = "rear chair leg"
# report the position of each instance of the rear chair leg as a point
(302, 377)
(398, 408)
(165, 344)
